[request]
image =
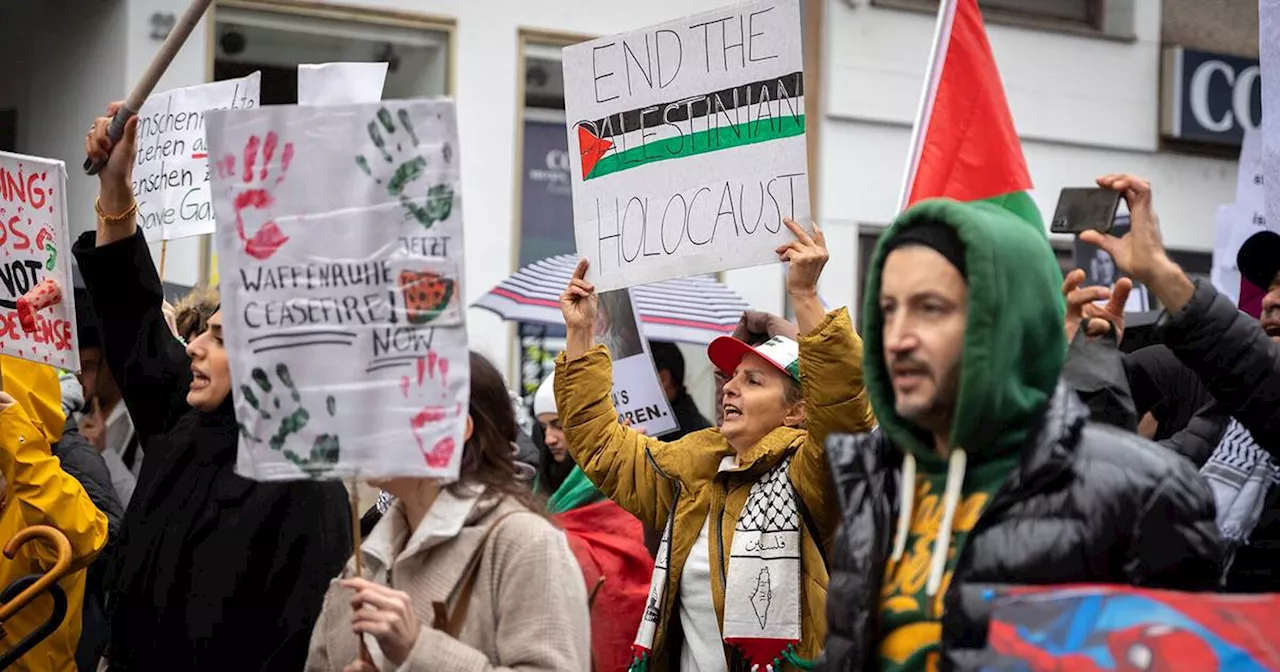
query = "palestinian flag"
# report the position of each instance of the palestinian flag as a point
(964, 145)
(770, 109)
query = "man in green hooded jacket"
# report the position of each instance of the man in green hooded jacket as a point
(984, 469)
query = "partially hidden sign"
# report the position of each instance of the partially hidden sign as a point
(637, 393)
(171, 173)
(687, 144)
(37, 309)
(340, 254)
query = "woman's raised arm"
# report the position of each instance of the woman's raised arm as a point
(149, 363)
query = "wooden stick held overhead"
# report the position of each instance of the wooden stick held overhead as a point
(172, 44)
(164, 252)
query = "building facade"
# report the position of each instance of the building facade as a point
(1086, 81)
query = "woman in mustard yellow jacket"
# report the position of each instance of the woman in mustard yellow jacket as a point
(36, 491)
(747, 509)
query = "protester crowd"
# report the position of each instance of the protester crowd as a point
(856, 498)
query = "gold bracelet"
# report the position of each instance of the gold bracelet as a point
(114, 219)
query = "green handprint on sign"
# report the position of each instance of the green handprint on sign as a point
(324, 450)
(387, 138)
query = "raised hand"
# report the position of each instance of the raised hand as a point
(256, 194)
(1140, 252)
(579, 302)
(807, 255)
(116, 178)
(1081, 306)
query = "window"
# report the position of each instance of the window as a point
(1111, 18)
(1085, 12)
(275, 41)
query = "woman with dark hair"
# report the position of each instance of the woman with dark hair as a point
(461, 576)
(608, 541)
(212, 571)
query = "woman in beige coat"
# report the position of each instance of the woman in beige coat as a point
(465, 577)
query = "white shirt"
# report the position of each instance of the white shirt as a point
(703, 649)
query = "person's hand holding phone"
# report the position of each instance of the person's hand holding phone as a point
(1140, 253)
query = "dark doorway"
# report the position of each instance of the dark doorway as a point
(8, 130)
(279, 85)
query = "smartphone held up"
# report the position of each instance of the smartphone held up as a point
(1085, 209)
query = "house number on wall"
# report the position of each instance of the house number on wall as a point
(161, 24)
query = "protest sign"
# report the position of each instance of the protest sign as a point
(637, 394)
(171, 171)
(1269, 60)
(340, 253)
(340, 83)
(1251, 198)
(1225, 275)
(36, 249)
(687, 144)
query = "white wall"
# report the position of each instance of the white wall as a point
(1083, 106)
(65, 73)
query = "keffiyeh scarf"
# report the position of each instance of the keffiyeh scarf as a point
(762, 612)
(1240, 474)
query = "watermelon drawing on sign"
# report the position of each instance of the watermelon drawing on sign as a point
(426, 295)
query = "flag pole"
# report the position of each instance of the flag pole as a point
(946, 9)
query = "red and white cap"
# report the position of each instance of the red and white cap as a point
(726, 354)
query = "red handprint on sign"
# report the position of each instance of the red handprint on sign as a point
(255, 195)
(436, 369)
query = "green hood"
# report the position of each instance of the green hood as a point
(1014, 345)
(576, 491)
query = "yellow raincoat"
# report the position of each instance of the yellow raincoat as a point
(39, 492)
(648, 477)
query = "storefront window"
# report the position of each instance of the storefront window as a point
(276, 41)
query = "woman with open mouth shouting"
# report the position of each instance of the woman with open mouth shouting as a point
(213, 571)
(747, 510)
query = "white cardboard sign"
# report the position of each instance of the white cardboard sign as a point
(35, 247)
(1269, 58)
(687, 145)
(340, 83)
(637, 394)
(341, 264)
(172, 171)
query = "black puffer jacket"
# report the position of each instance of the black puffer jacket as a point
(1240, 366)
(1087, 503)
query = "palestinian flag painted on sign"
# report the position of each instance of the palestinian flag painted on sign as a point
(964, 145)
(748, 114)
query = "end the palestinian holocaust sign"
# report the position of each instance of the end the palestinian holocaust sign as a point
(687, 144)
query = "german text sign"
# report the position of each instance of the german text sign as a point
(171, 172)
(35, 253)
(340, 252)
(687, 144)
